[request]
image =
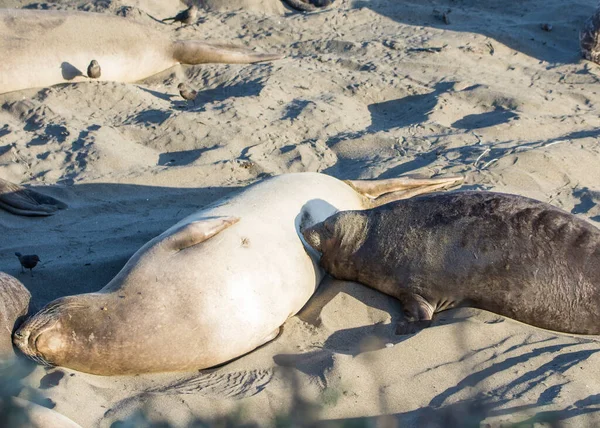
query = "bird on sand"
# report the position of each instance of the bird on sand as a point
(187, 93)
(93, 70)
(185, 17)
(28, 261)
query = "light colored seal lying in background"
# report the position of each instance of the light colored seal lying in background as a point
(213, 287)
(507, 254)
(42, 48)
(22, 201)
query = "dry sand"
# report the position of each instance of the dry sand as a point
(510, 105)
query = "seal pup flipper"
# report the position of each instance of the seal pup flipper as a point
(383, 191)
(417, 312)
(196, 52)
(197, 232)
(21, 201)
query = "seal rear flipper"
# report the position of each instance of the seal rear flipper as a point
(196, 52)
(21, 201)
(381, 192)
(417, 312)
(198, 231)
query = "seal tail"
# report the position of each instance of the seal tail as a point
(380, 192)
(21, 201)
(196, 52)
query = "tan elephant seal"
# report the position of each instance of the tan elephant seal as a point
(213, 287)
(14, 305)
(22, 201)
(42, 48)
(507, 254)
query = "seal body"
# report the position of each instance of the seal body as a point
(213, 287)
(42, 48)
(507, 254)
(14, 305)
(589, 38)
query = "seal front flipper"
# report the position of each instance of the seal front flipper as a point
(196, 232)
(417, 313)
(21, 201)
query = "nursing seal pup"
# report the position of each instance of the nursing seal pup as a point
(507, 254)
(213, 287)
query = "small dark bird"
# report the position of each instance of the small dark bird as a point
(93, 70)
(187, 93)
(186, 17)
(28, 261)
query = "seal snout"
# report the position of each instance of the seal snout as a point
(21, 339)
(33, 337)
(314, 236)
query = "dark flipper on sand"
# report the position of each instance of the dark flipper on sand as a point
(308, 6)
(21, 201)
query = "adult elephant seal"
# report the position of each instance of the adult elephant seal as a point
(507, 254)
(42, 48)
(213, 287)
(22, 201)
(14, 305)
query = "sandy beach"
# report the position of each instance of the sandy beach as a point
(367, 90)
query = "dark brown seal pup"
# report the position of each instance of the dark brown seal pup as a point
(507, 254)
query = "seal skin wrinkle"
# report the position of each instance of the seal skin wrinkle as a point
(43, 48)
(507, 254)
(213, 287)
